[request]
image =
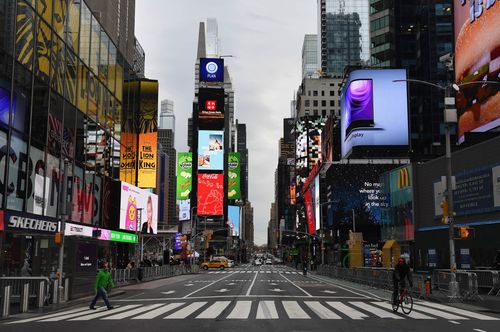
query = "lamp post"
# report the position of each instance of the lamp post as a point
(450, 118)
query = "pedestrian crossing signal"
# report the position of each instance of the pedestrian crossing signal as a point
(444, 209)
(463, 233)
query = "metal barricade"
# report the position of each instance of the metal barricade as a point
(488, 281)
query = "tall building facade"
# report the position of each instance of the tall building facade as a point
(319, 97)
(310, 65)
(413, 35)
(243, 150)
(166, 138)
(343, 35)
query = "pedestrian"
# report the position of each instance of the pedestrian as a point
(103, 283)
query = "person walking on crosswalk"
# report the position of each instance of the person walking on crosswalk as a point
(103, 282)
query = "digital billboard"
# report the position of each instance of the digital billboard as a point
(316, 203)
(211, 70)
(477, 58)
(210, 150)
(184, 175)
(369, 118)
(234, 172)
(308, 145)
(234, 219)
(210, 103)
(210, 194)
(148, 134)
(184, 209)
(311, 223)
(138, 206)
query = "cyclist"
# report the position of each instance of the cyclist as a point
(399, 275)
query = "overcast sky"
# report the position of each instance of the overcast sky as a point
(266, 37)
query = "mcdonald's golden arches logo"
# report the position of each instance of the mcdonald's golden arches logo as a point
(403, 178)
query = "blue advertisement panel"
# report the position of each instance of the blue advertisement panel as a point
(368, 117)
(211, 70)
(234, 219)
(210, 150)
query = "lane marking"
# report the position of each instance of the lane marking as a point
(458, 311)
(374, 310)
(267, 310)
(478, 330)
(133, 312)
(413, 314)
(60, 313)
(309, 295)
(160, 311)
(59, 318)
(105, 313)
(241, 310)
(251, 285)
(206, 286)
(244, 296)
(322, 311)
(346, 310)
(214, 310)
(294, 311)
(186, 311)
(453, 322)
(439, 313)
(372, 296)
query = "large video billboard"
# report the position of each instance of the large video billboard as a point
(477, 58)
(308, 145)
(184, 175)
(210, 194)
(184, 209)
(234, 172)
(148, 134)
(234, 219)
(211, 150)
(138, 206)
(211, 70)
(211, 103)
(369, 117)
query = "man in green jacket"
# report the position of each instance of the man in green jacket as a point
(102, 281)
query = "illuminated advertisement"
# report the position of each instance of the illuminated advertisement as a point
(211, 103)
(210, 194)
(148, 134)
(316, 203)
(211, 70)
(128, 157)
(234, 170)
(311, 223)
(184, 175)
(368, 117)
(234, 219)
(477, 58)
(178, 241)
(184, 209)
(210, 150)
(138, 206)
(308, 145)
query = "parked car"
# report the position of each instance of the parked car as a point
(257, 262)
(269, 261)
(215, 263)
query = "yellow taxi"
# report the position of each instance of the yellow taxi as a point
(215, 263)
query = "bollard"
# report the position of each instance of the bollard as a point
(41, 294)
(25, 295)
(6, 301)
(66, 289)
(54, 291)
(428, 286)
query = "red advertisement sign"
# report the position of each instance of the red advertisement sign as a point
(311, 225)
(210, 194)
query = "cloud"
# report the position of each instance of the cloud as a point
(266, 38)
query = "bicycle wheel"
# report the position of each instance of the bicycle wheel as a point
(407, 304)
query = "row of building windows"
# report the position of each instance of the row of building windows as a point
(314, 93)
(307, 103)
(323, 112)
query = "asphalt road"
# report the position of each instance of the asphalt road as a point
(246, 298)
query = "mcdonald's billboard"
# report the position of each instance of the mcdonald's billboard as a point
(400, 185)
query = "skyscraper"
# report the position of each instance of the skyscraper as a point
(310, 66)
(166, 138)
(343, 35)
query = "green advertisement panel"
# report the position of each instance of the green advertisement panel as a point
(184, 175)
(122, 237)
(233, 181)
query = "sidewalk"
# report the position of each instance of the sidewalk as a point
(484, 304)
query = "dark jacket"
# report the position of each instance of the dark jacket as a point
(401, 272)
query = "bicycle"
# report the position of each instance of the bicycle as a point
(405, 300)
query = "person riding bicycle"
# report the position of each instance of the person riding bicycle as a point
(399, 275)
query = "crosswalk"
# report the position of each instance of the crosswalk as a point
(260, 310)
(254, 271)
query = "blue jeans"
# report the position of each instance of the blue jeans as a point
(101, 292)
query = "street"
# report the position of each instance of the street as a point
(248, 298)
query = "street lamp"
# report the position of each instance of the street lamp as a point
(450, 117)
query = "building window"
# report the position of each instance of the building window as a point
(323, 112)
(315, 103)
(332, 103)
(323, 103)
(315, 112)
(322, 93)
(315, 93)
(332, 93)
(309, 93)
(307, 103)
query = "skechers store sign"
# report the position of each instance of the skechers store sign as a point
(25, 223)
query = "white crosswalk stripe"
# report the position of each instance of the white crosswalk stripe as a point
(241, 310)
(263, 309)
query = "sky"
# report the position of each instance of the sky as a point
(265, 37)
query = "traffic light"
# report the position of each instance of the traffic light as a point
(444, 209)
(463, 233)
(58, 238)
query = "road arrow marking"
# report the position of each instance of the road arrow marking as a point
(223, 290)
(276, 290)
(329, 292)
(189, 285)
(168, 292)
(231, 284)
(273, 284)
